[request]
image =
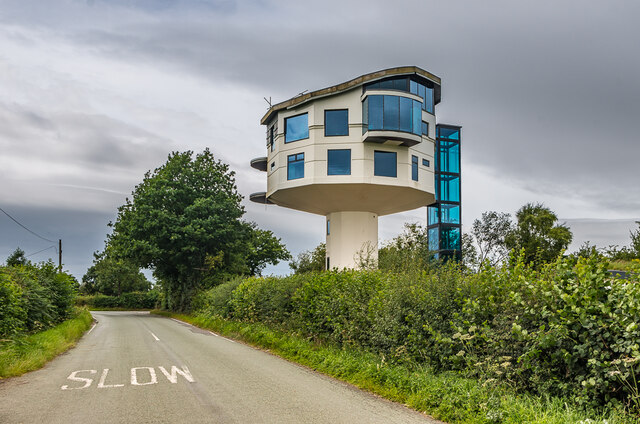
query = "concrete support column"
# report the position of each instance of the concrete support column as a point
(351, 238)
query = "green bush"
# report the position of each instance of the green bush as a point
(132, 300)
(568, 329)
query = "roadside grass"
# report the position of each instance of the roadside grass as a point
(446, 396)
(28, 353)
(91, 308)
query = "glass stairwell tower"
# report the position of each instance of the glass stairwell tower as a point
(444, 216)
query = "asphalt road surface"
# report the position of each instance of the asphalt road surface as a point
(133, 367)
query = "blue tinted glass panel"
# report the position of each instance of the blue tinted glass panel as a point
(375, 112)
(374, 86)
(295, 166)
(450, 133)
(450, 238)
(417, 118)
(385, 164)
(339, 162)
(336, 122)
(296, 128)
(421, 91)
(450, 214)
(328, 227)
(449, 188)
(391, 118)
(434, 239)
(413, 87)
(449, 152)
(386, 85)
(428, 99)
(414, 168)
(406, 109)
(365, 115)
(432, 215)
(425, 128)
(425, 162)
(400, 84)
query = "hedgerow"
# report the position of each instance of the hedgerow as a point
(131, 300)
(566, 330)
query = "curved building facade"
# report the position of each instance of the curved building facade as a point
(353, 152)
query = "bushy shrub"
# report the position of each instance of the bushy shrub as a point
(132, 300)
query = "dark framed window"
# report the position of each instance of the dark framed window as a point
(295, 166)
(339, 162)
(328, 227)
(425, 162)
(450, 133)
(414, 168)
(385, 164)
(273, 165)
(448, 187)
(336, 122)
(392, 113)
(449, 156)
(296, 128)
(425, 128)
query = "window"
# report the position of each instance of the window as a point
(425, 162)
(432, 215)
(450, 238)
(414, 168)
(336, 122)
(385, 164)
(450, 133)
(328, 267)
(392, 113)
(339, 162)
(449, 156)
(450, 214)
(296, 128)
(448, 188)
(272, 131)
(295, 166)
(328, 227)
(425, 128)
(273, 165)
(433, 239)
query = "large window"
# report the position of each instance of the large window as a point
(296, 128)
(295, 166)
(339, 162)
(414, 168)
(385, 164)
(450, 133)
(336, 122)
(408, 85)
(433, 213)
(392, 113)
(425, 128)
(434, 239)
(450, 214)
(449, 156)
(448, 187)
(450, 238)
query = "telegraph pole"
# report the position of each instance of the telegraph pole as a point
(59, 255)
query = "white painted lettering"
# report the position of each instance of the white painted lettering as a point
(73, 377)
(173, 377)
(134, 376)
(103, 378)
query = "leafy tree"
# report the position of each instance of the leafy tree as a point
(184, 223)
(538, 235)
(407, 251)
(635, 240)
(489, 234)
(309, 261)
(113, 276)
(17, 258)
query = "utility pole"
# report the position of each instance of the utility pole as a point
(59, 255)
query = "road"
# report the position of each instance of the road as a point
(133, 367)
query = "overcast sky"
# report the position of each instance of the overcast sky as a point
(94, 93)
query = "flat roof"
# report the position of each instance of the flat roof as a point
(345, 86)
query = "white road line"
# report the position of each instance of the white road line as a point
(92, 327)
(154, 336)
(191, 325)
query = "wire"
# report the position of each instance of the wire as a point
(35, 234)
(39, 251)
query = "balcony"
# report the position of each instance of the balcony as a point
(259, 163)
(260, 197)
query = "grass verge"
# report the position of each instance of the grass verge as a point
(446, 396)
(28, 353)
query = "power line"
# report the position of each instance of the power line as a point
(39, 251)
(35, 234)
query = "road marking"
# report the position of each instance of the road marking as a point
(173, 377)
(211, 332)
(92, 327)
(154, 336)
(72, 377)
(103, 378)
(134, 376)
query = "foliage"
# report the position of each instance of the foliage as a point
(635, 240)
(34, 298)
(409, 250)
(538, 235)
(130, 300)
(310, 261)
(553, 330)
(113, 276)
(17, 258)
(184, 223)
(30, 352)
(489, 234)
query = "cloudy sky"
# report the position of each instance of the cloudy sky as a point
(93, 93)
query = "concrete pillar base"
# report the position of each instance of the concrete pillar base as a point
(352, 240)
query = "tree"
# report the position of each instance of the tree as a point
(489, 234)
(309, 261)
(113, 276)
(407, 251)
(538, 235)
(183, 222)
(17, 258)
(635, 240)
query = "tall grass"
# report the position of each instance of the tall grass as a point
(27, 353)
